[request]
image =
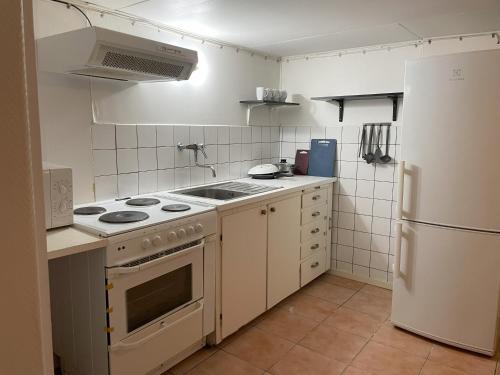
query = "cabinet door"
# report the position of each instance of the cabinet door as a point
(283, 259)
(244, 254)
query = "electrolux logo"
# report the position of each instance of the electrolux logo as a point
(457, 74)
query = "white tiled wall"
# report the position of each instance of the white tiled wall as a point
(130, 159)
(363, 202)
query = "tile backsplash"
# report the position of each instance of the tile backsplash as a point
(130, 160)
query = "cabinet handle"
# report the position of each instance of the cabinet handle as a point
(315, 230)
(314, 214)
(315, 264)
(316, 197)
(263, 212)
(273, 209)
(317, 187)
(315, 246)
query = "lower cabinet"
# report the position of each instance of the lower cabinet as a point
(244, 268)
(268, 252)
(283, 250)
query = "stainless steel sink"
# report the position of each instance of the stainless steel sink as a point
(226, 190)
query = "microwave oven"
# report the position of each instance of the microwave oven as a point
(58, 195)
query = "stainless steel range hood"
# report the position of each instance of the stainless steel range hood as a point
(103, 53)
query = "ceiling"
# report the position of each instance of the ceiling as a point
(291, 27)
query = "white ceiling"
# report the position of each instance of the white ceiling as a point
(290, 27)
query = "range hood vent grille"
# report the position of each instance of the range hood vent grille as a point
(142, 65)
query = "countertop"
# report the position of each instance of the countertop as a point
(288, 185)
(69, 240)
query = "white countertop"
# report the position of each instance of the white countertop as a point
(288, 185)
(69, 241)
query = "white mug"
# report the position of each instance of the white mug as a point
(259, 91)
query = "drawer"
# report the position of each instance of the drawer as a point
(312, 230)
(315, 198)
(314, 213)
(312, 267)
(316, 188)
(312, 246)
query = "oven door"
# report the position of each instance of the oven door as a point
(147, 290)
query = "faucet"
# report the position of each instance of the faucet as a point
(197, 147)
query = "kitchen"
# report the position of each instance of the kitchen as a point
(297, 274)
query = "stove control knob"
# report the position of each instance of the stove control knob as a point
(181, 233)
(198, 228)
(190, 230)
(146, 243)
(172, 236)
(157, 240)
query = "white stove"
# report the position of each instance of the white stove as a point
(160, 278)
(155, 215)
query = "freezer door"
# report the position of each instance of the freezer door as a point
(448, 285)
(451, 137)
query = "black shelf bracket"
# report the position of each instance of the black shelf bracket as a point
(393, 96)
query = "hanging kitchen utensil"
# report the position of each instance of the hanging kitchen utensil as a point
(370, 156)
(378, 151)
(362, 143)
(386, 158)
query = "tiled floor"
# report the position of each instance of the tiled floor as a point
(333, 326)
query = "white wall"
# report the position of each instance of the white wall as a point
(210, 97)
(364, 202)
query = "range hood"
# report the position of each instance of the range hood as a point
(104, 53)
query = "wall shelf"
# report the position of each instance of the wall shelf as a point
(394, 96)
(251, 104)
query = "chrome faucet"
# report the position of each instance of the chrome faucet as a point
(197, 147)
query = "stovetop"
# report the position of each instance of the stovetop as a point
(156, 215)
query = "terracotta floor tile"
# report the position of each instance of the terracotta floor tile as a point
(193, 360)
(433, 368)
(355, 371)
(384, 360)
(289, 326)
(353, 321)
(259, 348)
(341, 281)
(379, 307)
(334, 367)
(301, 361)
(376, 291)
(461, 360)
(400, 339)
(222, 363)
(234, 336)
(309, 306)
(333, 343)
(330, 292)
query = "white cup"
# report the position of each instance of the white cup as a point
(268, 95)
(259, 91)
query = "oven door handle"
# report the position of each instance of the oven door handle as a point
(133, 345)
(115, 272)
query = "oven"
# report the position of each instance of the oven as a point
(155, 307)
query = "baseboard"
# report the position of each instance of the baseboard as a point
(360, 278)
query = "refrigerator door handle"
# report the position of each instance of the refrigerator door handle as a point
(397, 250)
(399, 217)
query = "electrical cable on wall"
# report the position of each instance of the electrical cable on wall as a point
(68, 5)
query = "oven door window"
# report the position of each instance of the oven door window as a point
(157, 297)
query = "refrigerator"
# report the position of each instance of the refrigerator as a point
(446, 283)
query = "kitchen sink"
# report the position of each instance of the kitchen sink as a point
(226, 190)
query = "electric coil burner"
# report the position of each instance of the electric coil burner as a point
(142, 202)
(89, 210)
(119, 217)
(176, 207)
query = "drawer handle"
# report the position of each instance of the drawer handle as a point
(314, 214)
(272, 209)
(315, 246)
(316, 197)
(263, 212)
(315, 264)
(315, 230)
